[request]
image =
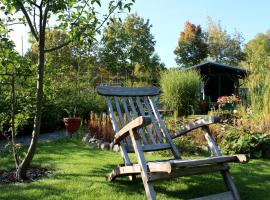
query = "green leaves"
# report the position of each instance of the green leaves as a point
(126, 44)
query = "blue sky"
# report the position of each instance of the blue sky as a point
(168, 17)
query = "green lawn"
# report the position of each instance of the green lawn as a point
(79, 173)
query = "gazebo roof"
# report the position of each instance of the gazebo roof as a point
(213, 67)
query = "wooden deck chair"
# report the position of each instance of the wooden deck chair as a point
(145, 131)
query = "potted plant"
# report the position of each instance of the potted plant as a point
(228, 102)
(72, 123)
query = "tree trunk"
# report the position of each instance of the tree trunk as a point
(24, 165)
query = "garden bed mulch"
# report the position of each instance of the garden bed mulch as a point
(32, 175)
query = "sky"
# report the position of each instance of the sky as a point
(168, 17)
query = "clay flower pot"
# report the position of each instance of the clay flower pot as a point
(72, 124)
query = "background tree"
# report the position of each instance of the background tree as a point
(223, 47)
(192, 47)
(78, 19)
(127, 44)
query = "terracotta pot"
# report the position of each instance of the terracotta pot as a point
(72, 124)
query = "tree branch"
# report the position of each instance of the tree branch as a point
(29, 21)
(57, 47)
(34, 3)
(34, 20)
(106, 18)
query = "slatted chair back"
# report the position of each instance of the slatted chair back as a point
(125, 104)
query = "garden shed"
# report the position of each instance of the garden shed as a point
(219, 80)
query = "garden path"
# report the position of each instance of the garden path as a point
(24, 140)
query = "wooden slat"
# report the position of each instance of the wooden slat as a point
(196, 124)
(211, 142)
(136, 169)
(116, 129)
(127, 91)
(135, 115)
(188, 172)
(136, 123)
(225, 174)
(149, 131)
(151, 147)
(127, 139)
(220, 196)
(153, 119)
(163, 128)
(148, 186)
(203, 161)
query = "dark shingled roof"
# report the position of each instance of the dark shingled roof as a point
(220, 68)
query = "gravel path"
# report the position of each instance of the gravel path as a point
(25, 140)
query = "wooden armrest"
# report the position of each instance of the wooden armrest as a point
(136, 123)
(196, 124)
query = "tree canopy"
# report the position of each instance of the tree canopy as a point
(223, 47)
(192, 46)
(214, 44)
(126, 44)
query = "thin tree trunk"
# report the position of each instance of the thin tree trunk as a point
(24, 165)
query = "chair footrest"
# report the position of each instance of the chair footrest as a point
(210, 160)
(220, 196)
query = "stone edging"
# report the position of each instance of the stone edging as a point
(100, 144)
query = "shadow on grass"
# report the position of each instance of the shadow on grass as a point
(252, 179)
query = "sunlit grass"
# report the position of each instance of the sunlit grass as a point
(79, 173)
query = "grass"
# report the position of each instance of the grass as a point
(79, 173)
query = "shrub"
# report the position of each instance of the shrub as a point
(181, 90)
(257, 145)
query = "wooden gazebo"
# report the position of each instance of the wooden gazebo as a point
(219, 79)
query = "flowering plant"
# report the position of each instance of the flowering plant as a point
(233, 99)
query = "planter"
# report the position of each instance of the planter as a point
(72, 124)
(228, 106)
(203, 107)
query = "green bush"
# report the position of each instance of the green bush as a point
(257, 145)
(181, 90)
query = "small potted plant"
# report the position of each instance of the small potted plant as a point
(72, 123)
(228, 102)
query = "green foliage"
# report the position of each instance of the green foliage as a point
(258, 83)
(180, 90)
(12, 65)
(223, 47)
(236, 141)
(192, 46)
(127, 49)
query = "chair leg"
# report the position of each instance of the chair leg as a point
(230, 184)
(149, 188)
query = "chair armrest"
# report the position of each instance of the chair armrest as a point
(196, 124)
(136, 123)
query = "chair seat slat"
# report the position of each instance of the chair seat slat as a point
(149, 131)
(151, 147)
(153, 119)
(120, 115)
(135, 115)
(116, 129)
(163, 128)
